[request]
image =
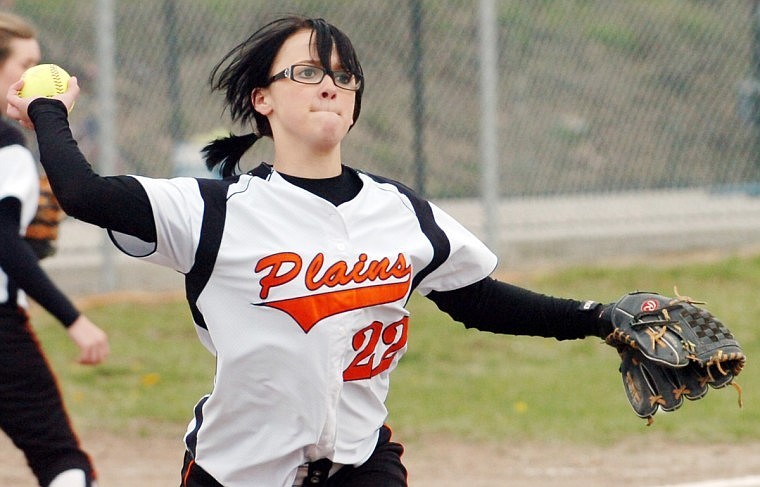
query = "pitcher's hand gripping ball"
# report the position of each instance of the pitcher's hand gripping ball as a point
(45, 80)
(670, 349)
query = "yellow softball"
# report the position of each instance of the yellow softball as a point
(44, 80)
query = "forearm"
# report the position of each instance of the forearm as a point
(35, 282)
(21, 265)
(118, 203)
(498, 307)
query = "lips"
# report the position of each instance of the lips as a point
(325, 110)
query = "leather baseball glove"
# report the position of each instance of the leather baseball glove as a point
(42, 232)
(670, 349)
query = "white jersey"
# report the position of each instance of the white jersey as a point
(18, 179)
(303, 304)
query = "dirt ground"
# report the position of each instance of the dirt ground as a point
(438, 461)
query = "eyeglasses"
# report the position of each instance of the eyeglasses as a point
(313, 75)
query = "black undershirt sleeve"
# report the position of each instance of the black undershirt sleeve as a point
(21, 265)
(118, 203)
(498, 307)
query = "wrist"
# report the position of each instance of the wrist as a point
(604, 319)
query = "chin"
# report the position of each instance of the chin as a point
(328, 139)
(338, 128)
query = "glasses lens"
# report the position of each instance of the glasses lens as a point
(308, 74)
(346, 80)
(312, 75)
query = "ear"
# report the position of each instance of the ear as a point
(260, 101)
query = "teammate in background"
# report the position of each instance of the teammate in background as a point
(32, 412)
(297, 272)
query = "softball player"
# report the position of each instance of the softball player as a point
(297, 272)
(32, 413)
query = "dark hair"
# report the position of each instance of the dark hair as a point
(247, 67)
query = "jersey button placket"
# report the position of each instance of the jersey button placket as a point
(336, 246)
(338, 233)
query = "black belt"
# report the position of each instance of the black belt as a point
(318, 473)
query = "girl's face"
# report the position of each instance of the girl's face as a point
(318, 115)
(24, 53)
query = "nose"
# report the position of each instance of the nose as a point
(328, 90)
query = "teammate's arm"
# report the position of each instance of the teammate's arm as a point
(117, 202)
(19, 262)
(498, 307)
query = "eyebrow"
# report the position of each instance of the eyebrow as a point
(318, 63)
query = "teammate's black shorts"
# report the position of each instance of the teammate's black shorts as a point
(32, 412)
(383, 469)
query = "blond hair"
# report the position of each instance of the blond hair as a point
(13, 27)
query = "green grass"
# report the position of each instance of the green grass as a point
(465, 383)
(156, 372)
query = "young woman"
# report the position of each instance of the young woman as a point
(32, 413)
(297, 272)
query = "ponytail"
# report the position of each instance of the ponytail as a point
(226, 152)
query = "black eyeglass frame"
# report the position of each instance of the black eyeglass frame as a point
(288, 73)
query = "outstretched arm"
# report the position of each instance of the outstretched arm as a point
(498, 307)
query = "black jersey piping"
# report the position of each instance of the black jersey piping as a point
(214, 194)
(191, 441)
(428, 225)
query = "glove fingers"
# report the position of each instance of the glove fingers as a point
(666, 384)
(718, 375)
(639, 391)
(693, 380)
(648, 386)
(721, 368)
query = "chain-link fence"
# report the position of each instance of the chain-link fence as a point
(623, 127)
(593, 95)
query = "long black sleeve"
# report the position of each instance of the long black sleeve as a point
(116, 202)
(21, 265)
(498, 307)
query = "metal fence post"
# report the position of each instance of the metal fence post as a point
(418, 94)
(106, 118)
(489, 125)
